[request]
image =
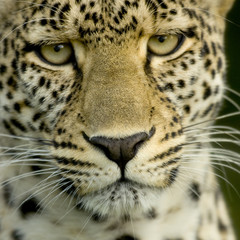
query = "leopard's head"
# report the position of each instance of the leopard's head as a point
(115, 87)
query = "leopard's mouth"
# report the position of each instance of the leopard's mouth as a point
(119, 199)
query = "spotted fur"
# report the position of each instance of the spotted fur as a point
(110, 145)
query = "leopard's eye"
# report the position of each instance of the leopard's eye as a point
(56, 54)
(163, 45)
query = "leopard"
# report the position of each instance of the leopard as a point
(107, 112)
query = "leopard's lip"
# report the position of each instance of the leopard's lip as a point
(68, 186)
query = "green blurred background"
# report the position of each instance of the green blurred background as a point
(233, 57)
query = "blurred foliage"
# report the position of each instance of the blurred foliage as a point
(232, 190)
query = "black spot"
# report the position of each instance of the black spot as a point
(192, 61)
(92, 4)
(208, 109)
(116, 20)
(152, 7)
(42, 81)
(169, 86)
(66, 8)
(213, 73)
(207, 93)
(98, 218)
(127, 3)
(7, 194)
(152, 214)
(42, 5)
(8, 127)
(23, 67)
(6, 44)
(190, 33)
(54, 94)
(173, 175)
(17, 235)
(87, 17)
(53, 24)
(187, 109)
(48, 84)
(162, 4)
(9, 95)
(54, 9)
(95, 18)
(126, 237)
(36, 168)
(189, 12)
(205, 50)
(41, 100)
(163, 15)
(36, 116)
(216, 91)
(69, 97)
(67, 186)
(219, 64)
(207, 64)
(184, 66)
(175, 119)
(30, 206)
(18, 125)
(14, 64)
(181, 83)
(134, 20)
(43, 22)
(171, 73)
(12, 82)
(195, 192)
(82, 8)
(3, 69)
(173, 11)
(214, 49)
(17, 107)
(202, 22)
(62, 14)
(193, 80)
(221, 226)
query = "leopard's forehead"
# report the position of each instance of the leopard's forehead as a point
(107, 21)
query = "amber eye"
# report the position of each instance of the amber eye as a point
(163, 45)
(56, 54)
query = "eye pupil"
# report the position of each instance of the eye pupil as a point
(58, 48)
(162, 38)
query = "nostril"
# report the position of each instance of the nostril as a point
(131, 144)
(122, 150)
(111, 147)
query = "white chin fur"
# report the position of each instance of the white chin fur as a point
(121, 199)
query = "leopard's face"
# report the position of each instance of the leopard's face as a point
(114, 86)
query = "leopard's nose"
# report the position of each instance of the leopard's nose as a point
(122, 150)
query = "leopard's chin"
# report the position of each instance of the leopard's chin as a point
(121, 199)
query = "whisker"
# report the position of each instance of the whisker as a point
(232, 102)
(28, 174)
(26, 138)
(232, 91)
(213, 119)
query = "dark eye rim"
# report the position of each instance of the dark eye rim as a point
(181, 39)
(71, 59)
